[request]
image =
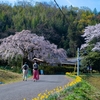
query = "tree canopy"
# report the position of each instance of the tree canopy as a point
(92, 37)
(28, 45)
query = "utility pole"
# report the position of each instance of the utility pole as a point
(78, 61)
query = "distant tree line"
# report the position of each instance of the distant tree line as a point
(46, 19)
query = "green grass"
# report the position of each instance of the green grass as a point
(83, 91)
(88, 89)
(93, 79)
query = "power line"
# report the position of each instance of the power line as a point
(60, 9)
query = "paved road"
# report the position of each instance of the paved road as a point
(30, 89)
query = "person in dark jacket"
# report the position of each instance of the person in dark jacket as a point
(25, 68)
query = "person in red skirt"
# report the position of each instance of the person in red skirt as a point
(35, 72)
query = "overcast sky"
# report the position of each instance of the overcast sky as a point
(76, 3)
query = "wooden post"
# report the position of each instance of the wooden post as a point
(77, 61)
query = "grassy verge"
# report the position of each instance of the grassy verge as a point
(82, 91)
(9, 77)
(87, 89)
(93, 79)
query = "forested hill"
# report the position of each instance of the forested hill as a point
(63, 29)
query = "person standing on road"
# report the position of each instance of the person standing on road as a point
(25, 68)
(35, 72)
